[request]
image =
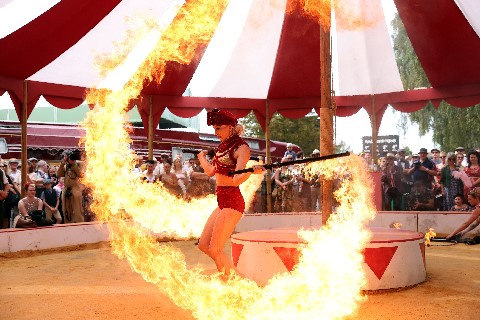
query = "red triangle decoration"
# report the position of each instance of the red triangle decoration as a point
(422, 250)
(289, 256)
(378, 259)
(236, 252)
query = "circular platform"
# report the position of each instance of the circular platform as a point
(393, 258)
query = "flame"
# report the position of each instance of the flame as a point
(430, 234)
(326, 282)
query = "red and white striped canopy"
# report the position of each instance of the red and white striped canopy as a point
(258, 53)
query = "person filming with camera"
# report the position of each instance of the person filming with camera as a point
(71, 169)
(423, 170)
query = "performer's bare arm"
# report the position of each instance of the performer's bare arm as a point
(207, 166)
(243, 155)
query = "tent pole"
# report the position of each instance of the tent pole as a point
(23, 121)
(268, 159)
(373, 120)
(326, 117)
(150, 128)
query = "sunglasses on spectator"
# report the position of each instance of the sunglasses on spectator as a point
(443, 157)
(459, 157)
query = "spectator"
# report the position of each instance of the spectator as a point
(443, 158)
(421, 198)
(436, 156)
(159, 167)
(315, 153)
(26, 205)
(283, 192)
(449, 184)
(461, 151)
(42, 174)
(4, 189)
(460, 159)
(423, 169)
(10, 203)
(71, 168)
(459, 204)
(149, 175)
(316, 192)
(52, 175)
(392, 182)
(51, 201)
(472, 170)
(290, 152)
(199, 181)
(304, 203)
(169, 179)
(14, 173)
(407, 182)
(472, 222)
(181, 174)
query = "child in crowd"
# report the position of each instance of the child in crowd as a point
(460, 205)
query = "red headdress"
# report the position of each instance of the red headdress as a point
(220, 117)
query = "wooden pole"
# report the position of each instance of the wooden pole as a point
(373, 120)
(24, 117)
(326, 117)
(150, 128)
(268, 158)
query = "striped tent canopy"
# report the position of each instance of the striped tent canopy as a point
(261, 52)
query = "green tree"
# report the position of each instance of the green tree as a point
(450, 126)
(303, 132)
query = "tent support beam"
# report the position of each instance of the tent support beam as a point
(326, 117)
(150, 128)
(24, 119)
(268, 159)
(373, 121)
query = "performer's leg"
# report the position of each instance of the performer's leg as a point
(204, 242)
(223, 228)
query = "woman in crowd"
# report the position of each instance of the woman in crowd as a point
(472, 170)
(182, 177)
(26, 205)
(232, 154)
(450, 183)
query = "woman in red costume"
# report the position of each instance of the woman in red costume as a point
(232, 154)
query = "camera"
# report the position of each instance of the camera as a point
(416, 164)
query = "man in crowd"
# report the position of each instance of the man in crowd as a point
(71, 169)
(423, 169)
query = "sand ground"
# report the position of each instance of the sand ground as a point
(88, 282)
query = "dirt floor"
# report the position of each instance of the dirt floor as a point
(88, 282)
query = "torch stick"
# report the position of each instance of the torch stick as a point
(288, 163)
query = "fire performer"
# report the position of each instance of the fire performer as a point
(232, 154)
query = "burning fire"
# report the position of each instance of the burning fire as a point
(326, 282)
(429, 235)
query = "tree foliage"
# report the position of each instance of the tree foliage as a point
(304, 132)
(450, 126)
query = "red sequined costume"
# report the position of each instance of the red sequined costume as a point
(224, 162)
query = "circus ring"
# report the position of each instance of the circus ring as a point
(393, 258)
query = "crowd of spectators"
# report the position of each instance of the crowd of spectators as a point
(53, 193)
(182, 178)
(429, 181)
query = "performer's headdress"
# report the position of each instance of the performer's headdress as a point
(220, 117)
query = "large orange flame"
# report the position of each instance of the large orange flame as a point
(326, 282)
